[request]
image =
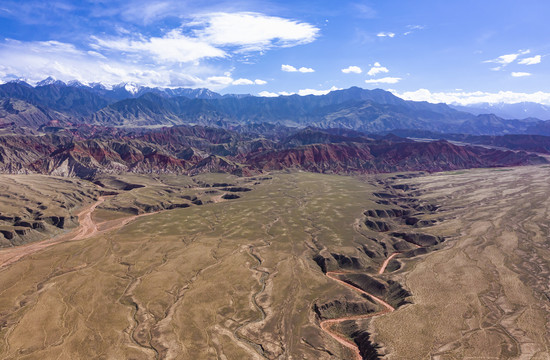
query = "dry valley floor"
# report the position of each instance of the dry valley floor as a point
(289, 266)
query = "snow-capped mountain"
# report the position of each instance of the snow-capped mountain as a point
(76, 84)
(129, 90)
(132, 88)
(50, 81)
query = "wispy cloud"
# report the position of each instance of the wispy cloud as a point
(520, 74)
(505, 60)
(377, 69)
(148, 12)
(248, 31)
(290, 68)
(363, 11)
(37, 12)
(413, 28)
(173, 47)
(385, 34)
(476, 97)
(531, 60)
(214, 36)
(178, 57)
(37, 60)
(384, 80)
(352, 69)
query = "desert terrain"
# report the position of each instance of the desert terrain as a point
(487, 294)
(290, 265)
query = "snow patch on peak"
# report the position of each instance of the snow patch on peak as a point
(76, 83)
(99, 86)
(131, 88)
(50, 81)
(47, 81)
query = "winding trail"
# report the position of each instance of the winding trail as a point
(86, 228)
(386, 262)
(326, 324)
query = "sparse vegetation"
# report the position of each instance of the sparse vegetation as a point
(245, 279)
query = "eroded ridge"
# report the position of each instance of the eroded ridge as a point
(402, 211)
(326, 324)
(86, 228)
(494, 273)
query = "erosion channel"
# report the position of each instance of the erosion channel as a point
(299, 265)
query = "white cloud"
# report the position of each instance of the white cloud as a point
(306, 70)
(352, 69)
(302, 92)
(243, 82)
(476, 97)
(175, 58)
(305, 92)
(377, 69)
(507, 59)
(290, 68)
(268, 94)
(249, 31)
(248, 82)
(520, 74)
(384, 80)
(174, 47)
(220, 80)
(38, 60)
(385, 34)
(530, 60)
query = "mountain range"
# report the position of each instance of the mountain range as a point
(80, 130)
(87, 151)
(522, 110)
(128, 105)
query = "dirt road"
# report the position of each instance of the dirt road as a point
(326, 324)
(85, 229)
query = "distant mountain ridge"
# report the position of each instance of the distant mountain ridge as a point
(129, 105)
(195, 149)
(522, 110)
(129, 90)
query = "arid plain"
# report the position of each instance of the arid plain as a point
(451, 265)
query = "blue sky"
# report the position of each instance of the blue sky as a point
(452, 51)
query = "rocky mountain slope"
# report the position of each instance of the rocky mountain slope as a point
(358, 109)
(196, 149)
(78, 130)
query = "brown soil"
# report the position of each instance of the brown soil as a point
(85, 229)
(326, 324)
